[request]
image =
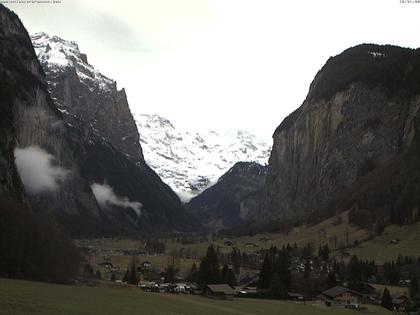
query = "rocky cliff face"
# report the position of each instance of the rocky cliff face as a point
(78, 88)
(359, 116)
(10, 184)
(38, 127)
(229, 202)
(69, 164)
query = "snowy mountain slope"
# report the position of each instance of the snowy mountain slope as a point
(56, 54)
(189, 161)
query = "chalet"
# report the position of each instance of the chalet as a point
(341, 297)
(369, 294)
(219, 291)
(400, 303)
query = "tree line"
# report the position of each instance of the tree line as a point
(33, 247)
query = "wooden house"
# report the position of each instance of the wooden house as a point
(341, 297)
(219, 291)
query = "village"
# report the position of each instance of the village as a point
(303, 275)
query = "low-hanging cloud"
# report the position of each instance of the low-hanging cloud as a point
(106, 197)
(37, 170)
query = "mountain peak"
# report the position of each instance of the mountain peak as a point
(57, 54)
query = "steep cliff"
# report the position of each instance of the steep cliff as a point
(228, 203)
(349, 143)
(78, 88)
(81, 170)
(38, 127)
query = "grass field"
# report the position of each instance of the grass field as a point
(23, 297)
(333, 231)
(381, 249)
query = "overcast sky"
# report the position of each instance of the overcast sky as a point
(220, 64)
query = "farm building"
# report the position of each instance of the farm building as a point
(219, 291)
(341, 297)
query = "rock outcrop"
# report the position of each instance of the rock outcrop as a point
(359, 121)
(231, 201)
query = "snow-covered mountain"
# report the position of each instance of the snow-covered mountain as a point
(187, 161)
(191, 161)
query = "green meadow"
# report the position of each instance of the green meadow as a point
(24, 297)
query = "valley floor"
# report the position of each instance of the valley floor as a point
(24, 297)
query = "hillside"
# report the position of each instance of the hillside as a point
(219, 207)
(353, 144)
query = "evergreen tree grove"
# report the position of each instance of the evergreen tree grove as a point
(208, 272)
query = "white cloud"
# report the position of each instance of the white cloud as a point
(106, 197)
(37, 170)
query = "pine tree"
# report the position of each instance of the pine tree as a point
(386, 300)
(307, 269)
(113, 277)
(193, 276)
(236, 260)
(355, 274)
(331, 280)
(265, 274)
(227, 276)
(414, 288)
(282, 268)
(277, 289)
(208, 272)
(125, 278)
(170, 274)
(132, 275)
(98, 274)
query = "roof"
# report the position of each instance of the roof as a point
(335, 291)
(221, 288)
(399, 301)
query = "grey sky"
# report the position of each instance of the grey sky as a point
(220, 64)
